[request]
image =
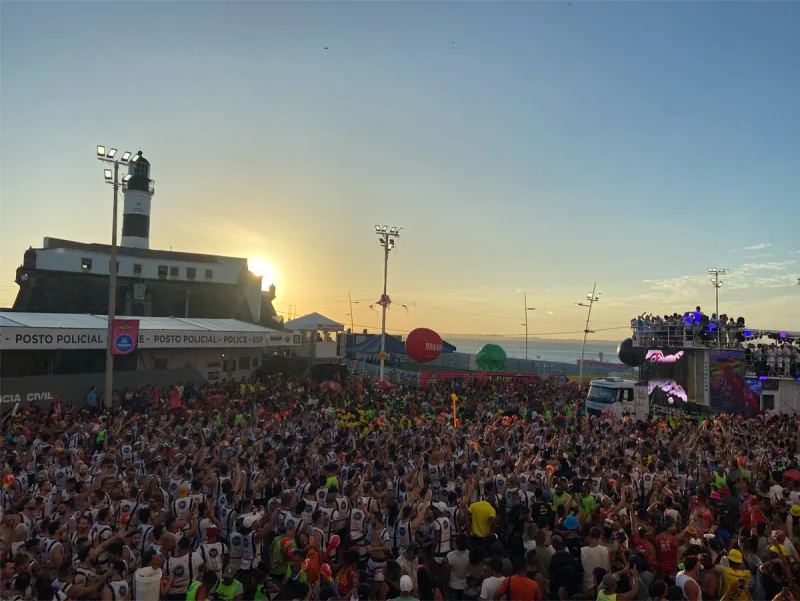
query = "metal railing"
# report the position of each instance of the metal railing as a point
(684, 336)
(763, 365)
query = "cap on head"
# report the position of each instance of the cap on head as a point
(405, 584)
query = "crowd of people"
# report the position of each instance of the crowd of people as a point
(282, 489)
(691, 328)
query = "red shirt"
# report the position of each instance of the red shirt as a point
(667, 546)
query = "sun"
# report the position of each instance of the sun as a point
(265, 269)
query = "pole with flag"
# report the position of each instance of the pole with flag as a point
(57, 406)
(454, 398)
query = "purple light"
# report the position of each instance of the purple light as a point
(783, 334)
(762, 377)
(747, 333)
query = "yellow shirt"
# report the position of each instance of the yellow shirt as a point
(732, 575)
(481, 512)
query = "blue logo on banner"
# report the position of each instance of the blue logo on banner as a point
(123, 343)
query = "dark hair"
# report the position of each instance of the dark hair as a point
(425, 583)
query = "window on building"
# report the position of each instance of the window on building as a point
(191, 273)
(254, 364)
(209, 274)
(244, 362)
(86, 264)
(162, 271)
(137, 269)
(768, 402)
(229, 366)
(173, 272)
(160, 364)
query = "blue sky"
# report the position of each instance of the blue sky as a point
(524, 147)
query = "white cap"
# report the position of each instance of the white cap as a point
(405, 584)
(440, 506)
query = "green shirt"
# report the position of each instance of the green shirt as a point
(588, 503)
(601, 596)
(192, 590)
(558, 501)
(227, 592)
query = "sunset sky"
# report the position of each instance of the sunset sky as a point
(524, 148)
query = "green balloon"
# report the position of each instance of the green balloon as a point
(491, 357)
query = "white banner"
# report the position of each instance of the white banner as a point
(12, 338)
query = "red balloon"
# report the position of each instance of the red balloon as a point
(423, 345)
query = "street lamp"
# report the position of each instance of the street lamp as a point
(593, 297)
(388, 239)
(527, 308)
(111, 176)
(716, 273)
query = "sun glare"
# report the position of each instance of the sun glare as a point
(265, 269)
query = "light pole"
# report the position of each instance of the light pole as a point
(112, 177)
(716, 273)
(527, 308)
(388, 239)
(593, 297)
(352, 326)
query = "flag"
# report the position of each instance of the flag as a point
(58, 405)
(337, 378)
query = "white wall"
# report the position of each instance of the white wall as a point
(208, 362)
(225, 271)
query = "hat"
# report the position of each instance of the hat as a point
(405, 584)
(735, 556)
(795, 511)
(571, 523)
(439, 506)
(609, 580)
(230, 572)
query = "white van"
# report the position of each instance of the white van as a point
(618, 395)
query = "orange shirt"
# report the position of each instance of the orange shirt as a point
(521, 588)
(312, 574)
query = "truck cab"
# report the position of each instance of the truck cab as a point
(619, 396)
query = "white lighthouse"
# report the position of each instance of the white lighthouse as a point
(136, 208)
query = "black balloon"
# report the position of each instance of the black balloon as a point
(629, 354)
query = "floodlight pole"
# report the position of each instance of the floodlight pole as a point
(717, 283)
(387, 238)
(592, 298)
(112, 295)
(108, 390)
(527, 308)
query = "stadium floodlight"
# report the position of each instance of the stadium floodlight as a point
(101, 151)
(126, 156)
(112, 152)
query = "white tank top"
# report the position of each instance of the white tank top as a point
(681, 579)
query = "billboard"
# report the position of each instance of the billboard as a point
(124, 336)
(729, 388)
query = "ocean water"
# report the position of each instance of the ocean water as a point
(567, 351)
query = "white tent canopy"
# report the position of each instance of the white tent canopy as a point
(313, 322)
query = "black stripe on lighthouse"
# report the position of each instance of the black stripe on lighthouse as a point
(135, 225)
